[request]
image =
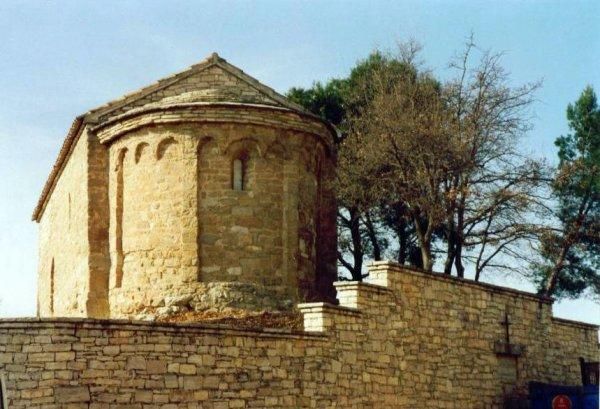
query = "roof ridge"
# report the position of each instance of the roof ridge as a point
(148, 89)
(256, 84)
(214, 59)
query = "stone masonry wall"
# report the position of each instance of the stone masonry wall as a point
(98, 223)
(143, 213)
(450, 328)
(153, 218)
(63, 269)
(177, 226)
(406, 339)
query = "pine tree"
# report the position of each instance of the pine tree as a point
(571, 252)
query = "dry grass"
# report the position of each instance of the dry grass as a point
(240, 318)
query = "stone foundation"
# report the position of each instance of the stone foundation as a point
(204, 296)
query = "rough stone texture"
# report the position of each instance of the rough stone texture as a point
(63, 241)
(98, 225)
(147, 190)
(219, 296)
(406, 339)
(139, 218)
(175, 219)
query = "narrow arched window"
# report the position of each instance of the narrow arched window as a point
(238, 174)
(69, 215)
(52, 287)
(239, 170)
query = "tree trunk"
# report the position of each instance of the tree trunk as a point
(553, 278)
(451, 224)
(402, 242)
(356, 244)
(460, 268)
(371, 232)
(426, 256)
(450, 252)
(459, 233)
(424, 236)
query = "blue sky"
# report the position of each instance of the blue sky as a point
(59, 59)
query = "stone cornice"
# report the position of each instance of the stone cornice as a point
(140, 117)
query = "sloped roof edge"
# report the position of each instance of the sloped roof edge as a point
(58, 166)
(213, 60)
(94, 114)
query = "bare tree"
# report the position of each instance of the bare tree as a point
(402, 148)
(492, 196)
(432, 165)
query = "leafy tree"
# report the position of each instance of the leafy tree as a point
(326, 100)
(571, 252)
(429, 169)
(362, 228)
(446, 156)
(401, 146)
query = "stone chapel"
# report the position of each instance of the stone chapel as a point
(208, 190)
(206, 186)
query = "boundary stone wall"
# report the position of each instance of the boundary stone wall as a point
(404, 339)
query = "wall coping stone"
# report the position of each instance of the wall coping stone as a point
(328, 308)
(390, 265)
(362, 286)
(573, 323)
(154, 326)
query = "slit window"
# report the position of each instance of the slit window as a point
(52, 288)
(239, 173)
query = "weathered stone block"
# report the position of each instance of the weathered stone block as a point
(68, 394)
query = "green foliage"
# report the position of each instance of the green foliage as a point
(572, 253)
(423, 163)
(363, 229)
(326, 101)
(337, 99)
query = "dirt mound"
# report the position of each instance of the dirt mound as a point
(240, 318)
